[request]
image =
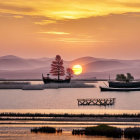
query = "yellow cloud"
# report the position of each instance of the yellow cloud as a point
(44, 22)
(77, 40)
(55, 33)
(17, 16)
(68, 9)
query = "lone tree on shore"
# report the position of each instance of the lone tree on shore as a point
(57, 68)
(69, 72)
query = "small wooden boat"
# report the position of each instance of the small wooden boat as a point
(119, 89)
(47, 80)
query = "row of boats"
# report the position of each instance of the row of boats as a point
(121, 86)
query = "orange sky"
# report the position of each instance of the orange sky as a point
(72, 28)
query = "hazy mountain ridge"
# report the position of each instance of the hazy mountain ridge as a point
(11, 62)
(104, 65)
(16, 67)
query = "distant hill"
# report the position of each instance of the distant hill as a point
(11, 62)
(104, 65)
(84, 60)
(17, 67)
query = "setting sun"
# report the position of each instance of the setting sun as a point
(77, 69)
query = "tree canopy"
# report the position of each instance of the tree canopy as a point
(122, 77)
(57, 68)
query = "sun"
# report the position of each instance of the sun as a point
(77, 69)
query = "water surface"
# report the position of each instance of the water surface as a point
(65, 100)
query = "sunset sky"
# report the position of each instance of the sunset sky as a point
(71, 28)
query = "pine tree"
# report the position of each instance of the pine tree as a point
(57, 68)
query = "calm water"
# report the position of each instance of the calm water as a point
(61, 101)
(24, 134)
(66, 99)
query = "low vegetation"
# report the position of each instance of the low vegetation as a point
(125, 78)
(104, 130)
(100, 130)
(67, 115)
(44, 130)
(109, 131)
(132, 133)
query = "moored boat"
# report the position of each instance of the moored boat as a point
(119, 89)
(47, 80)
(122, 83)
(118, 84)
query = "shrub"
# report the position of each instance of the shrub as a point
(104, 130)
(44, 130)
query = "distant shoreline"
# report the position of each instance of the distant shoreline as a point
(29, 86)
(41, 80)
(92, 118)
(57, 115)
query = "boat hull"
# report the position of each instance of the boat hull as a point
(46, 80)
(117, 84)
(119, 89)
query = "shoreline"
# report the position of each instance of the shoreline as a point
(71, 111)
(70, 117)
(94, 120)
(28, 86)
